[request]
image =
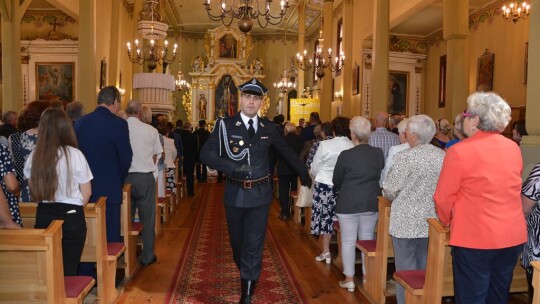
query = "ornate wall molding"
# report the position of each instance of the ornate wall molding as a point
(408, 44)
(47, 26)
(129, 8)
(485, 15)
(435, 39)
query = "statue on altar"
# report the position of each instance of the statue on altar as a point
(258, 66)
(202, 107)
(226, 97)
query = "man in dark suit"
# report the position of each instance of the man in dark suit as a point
(287, 177)
(202, 135)
(190, 145)
(103, 137)
(239, 147)
(11, 121)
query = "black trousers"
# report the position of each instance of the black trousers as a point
(188, 169)
(483, 276)
(73, 231)
(200, 172)
(287, 183)
(247, 230)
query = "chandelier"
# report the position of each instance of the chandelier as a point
(513, 11)
(181, 83)
(245, 12)
(150, 25)
(284, 85)
(320, 59)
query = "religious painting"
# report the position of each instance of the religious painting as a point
(103, 75)
(484, 79)
(55, 81)
(442, 82)
(398, 92)
(228, 47)
(355, 79)
(226, 103)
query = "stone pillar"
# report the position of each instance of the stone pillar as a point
(530, 145)
(12, 84)
(88, 85)
(301, 46)
(347, 70)
(455, 32)
(327, 95)
(379, 71)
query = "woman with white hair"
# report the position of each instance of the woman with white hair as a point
(410, 185)
(356, 176)
(402, 125)
(441, 138)
(479, 196)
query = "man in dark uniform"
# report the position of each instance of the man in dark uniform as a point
(200, 167)
(239, 147)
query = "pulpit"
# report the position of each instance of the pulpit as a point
(155, 91)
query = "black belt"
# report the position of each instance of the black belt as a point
(247, 184)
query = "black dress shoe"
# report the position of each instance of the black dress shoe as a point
(248, 288)
(152, 261)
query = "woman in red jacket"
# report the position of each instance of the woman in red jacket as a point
(478, 196)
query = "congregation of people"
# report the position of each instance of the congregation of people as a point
(64, 159)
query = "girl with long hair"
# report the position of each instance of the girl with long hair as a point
(59, 179)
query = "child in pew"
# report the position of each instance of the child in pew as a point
(59, 178)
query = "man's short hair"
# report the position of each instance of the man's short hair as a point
(8, 116)
(74, 110)
(179, 123)
(202, 122)
(108, 95)
(133, 107)
(314, 117)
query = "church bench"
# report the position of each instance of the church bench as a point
(130, 231)
(437, 281)
(96, 249)
(162, 207)
(376, 253)
(31, 267)
(536, 281)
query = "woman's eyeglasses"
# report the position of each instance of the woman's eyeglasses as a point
(467, 114)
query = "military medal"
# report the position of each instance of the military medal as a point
(235, 149)
(241, 142)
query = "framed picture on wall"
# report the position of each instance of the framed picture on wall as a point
(484, 79)
(398, 92)
(355, 79)
(55, 81)
(442, 81)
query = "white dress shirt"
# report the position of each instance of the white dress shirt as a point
(390, 158)
(246, 119)
(145, 144)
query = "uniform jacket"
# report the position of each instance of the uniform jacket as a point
(237, 140)
(295, 142)
(103, 138)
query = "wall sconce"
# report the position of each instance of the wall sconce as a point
(122, 91)
(338, 96)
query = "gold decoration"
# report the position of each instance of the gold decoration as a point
(186, 102)
(265, 105)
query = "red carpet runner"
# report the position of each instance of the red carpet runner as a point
(206, 272)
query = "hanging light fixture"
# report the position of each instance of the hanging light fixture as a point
(181, 83)
(513, 11)
(320, 60)
(287, 81)
(152, 28)
(245, 11)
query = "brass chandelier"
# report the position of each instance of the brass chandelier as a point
(514, 11)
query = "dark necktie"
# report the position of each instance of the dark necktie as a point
(251, 129)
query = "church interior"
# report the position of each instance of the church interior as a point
(185, 59)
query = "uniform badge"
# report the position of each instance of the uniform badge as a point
(262, 125)
(241, 143)
(235, 149)
(238, 123)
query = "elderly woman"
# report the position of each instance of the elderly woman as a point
(401, 126)
(356, 177)
(410, 185)
(459, 135)
(324, 194)
(478, 195)
(441, 137)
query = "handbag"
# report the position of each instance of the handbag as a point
(305, 197)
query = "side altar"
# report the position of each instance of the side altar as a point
(216, 74)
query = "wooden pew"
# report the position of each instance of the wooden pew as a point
(163, 204)
(376, 254)
(437, 280)
(536, 281)
(96, 249)
(130, 231)
(31, 267)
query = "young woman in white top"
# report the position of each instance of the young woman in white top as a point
(59, 179)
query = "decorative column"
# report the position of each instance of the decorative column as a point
(456, 32)
(86, 71)
(347, 69)
(379, 72)
(301, 45)
(12, 86)
(327, 95)
(530, 145)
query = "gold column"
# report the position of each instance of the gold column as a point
(347, 70)
(137, 68)
(12, 84)
(379, 72)
(88, 64)
(456, 32)
(301, 43)
(326, 95)
(530, 145)
(115, 45)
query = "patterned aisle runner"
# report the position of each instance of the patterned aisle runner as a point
(206, 273)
